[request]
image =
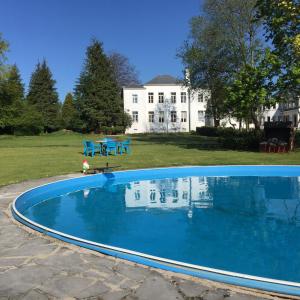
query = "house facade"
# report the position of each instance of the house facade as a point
(164, 105)
(288, 111)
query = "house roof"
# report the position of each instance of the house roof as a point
(133, 86)
(163, 80)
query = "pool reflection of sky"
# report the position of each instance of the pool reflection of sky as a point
(248, 225)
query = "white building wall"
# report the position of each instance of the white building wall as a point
(143, 107)
(198, 103)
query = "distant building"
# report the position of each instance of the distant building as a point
(289, 111)
(164, 105)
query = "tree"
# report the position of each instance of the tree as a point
(70, 115)
(11, 99)
(29, 122)
(43, 96)
(222, 40)
(124, 73)
(3, 49)
(281, 21)
(96, 94)
(252, 89)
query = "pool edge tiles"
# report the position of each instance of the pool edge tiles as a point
(267, 284)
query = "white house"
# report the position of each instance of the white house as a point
(164, 105)
(289, 111)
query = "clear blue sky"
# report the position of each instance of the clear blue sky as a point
(148, 32)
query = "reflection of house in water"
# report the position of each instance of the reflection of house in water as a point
(169, 193)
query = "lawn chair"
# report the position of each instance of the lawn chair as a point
(90, 148)
(125, 146)
(110, 147)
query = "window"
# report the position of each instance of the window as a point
(200, 97)
(185, 195)
(173, 116)
(135, 116)
(206, 98)
(269, 119)
(200, 115)
(160, 97)
(174, 193)
(135, 98)
(151, 116)
(173, 97)
(162, 196)
(183, 116)
(161, 117)
(183, 97)
(150, 97)
(137, 195)
(152, 196)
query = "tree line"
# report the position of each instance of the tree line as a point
(95, 105)
(247, 53)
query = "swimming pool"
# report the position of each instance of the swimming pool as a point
(234, 224)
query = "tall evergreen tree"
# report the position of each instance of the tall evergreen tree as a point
(3, 49)
(11, 99)
(69, 114)
(96, 93)
(43, 96)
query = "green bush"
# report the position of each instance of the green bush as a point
(230, 138)
(207, 131)
(242, 140)
(112, 130)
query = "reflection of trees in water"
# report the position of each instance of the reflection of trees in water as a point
(102, 211)
(256, 195)
(240, 235)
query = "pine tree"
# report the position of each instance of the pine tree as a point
(69, 113)
(96, 92)
(11, 99)
(43, 96)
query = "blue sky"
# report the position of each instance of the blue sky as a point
(148, 32)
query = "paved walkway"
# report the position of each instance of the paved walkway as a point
(36, 267)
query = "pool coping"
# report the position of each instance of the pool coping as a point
(227, 277)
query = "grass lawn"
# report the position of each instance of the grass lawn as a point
(26, 158)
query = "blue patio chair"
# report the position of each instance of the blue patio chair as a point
(90, 148)
(125, 146)
(110, 147)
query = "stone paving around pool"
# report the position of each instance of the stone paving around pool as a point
(33, 266)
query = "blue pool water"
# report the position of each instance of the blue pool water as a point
(244, 224)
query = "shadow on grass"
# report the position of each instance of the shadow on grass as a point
(186, 141)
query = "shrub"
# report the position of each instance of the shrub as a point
(242, 140)
(207, 131)
(112, 130)
(230, 138)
